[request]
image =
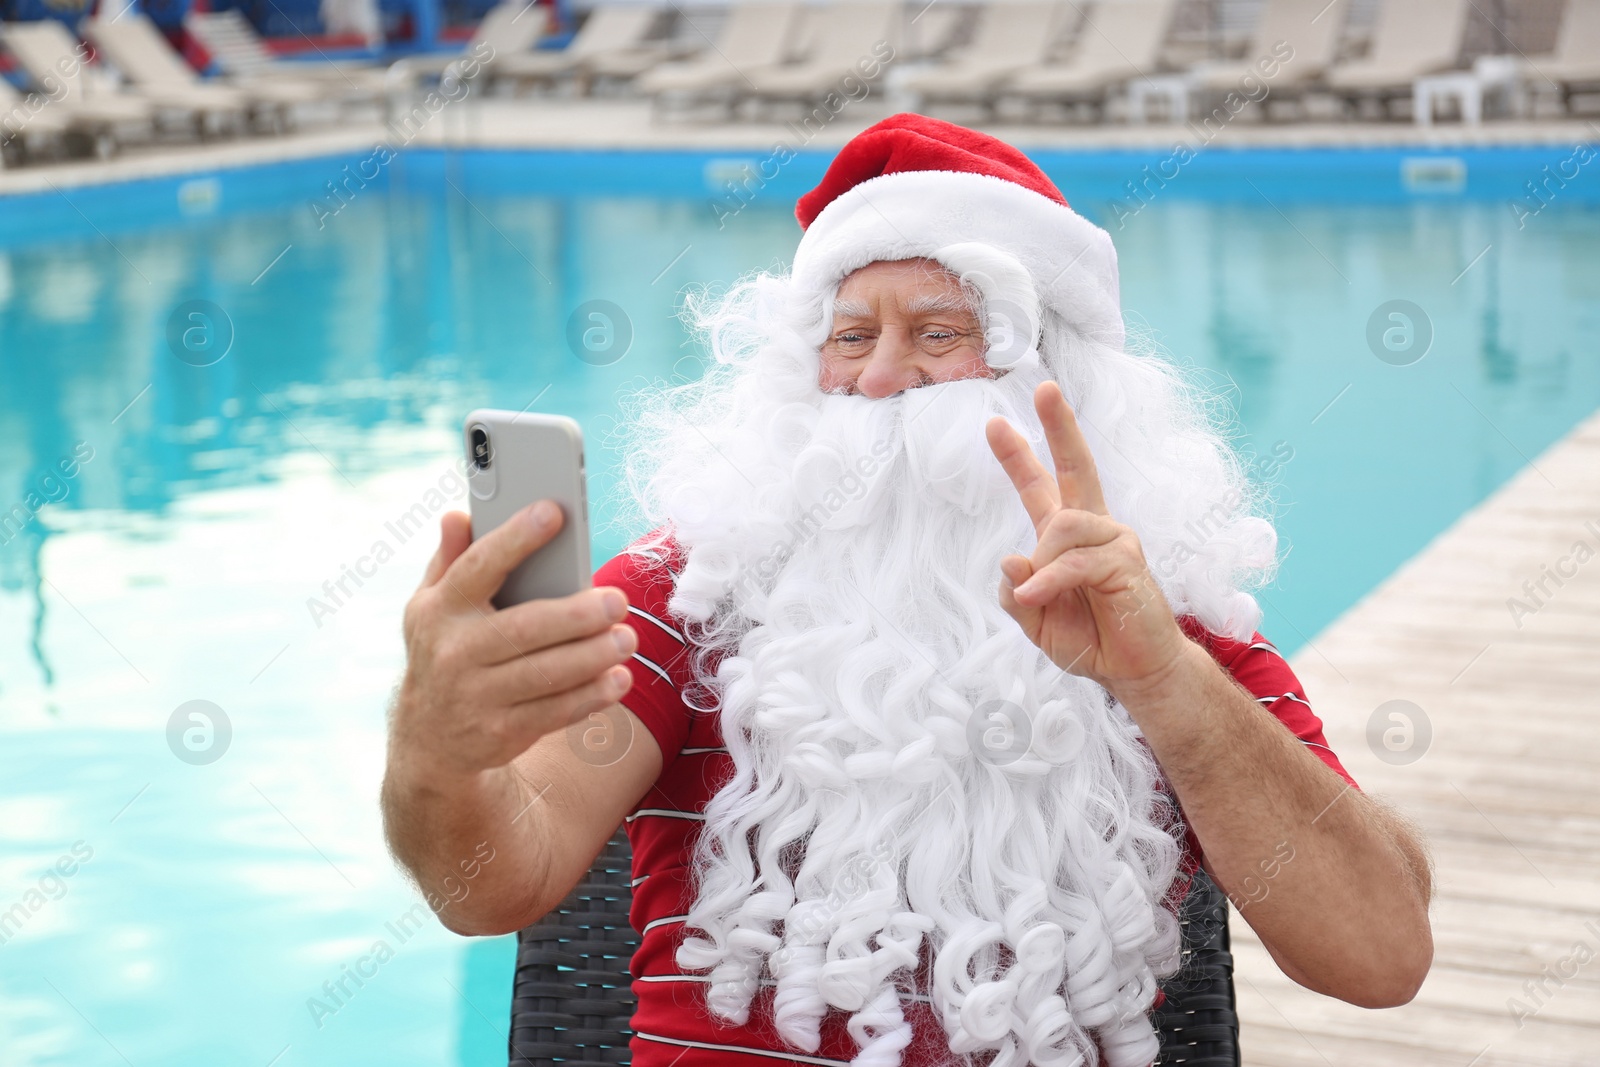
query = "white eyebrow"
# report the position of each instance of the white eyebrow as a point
(939, 303)
(851, 309)
(930, 304)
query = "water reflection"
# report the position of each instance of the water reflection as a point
(220, 500)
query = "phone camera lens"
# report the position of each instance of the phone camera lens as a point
(480, 448)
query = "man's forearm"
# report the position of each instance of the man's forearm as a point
(440, 829)
(1320, 872)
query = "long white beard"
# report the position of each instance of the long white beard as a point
(909, 768)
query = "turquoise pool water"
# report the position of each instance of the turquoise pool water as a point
(207, 905)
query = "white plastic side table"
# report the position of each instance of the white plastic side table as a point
(1489, 74)
(1175, 89)
(1464, 86)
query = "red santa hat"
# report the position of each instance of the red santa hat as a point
(912, 186)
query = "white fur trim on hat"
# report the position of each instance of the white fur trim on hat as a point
(912, 214)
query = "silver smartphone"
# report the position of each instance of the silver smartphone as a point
(513, 459)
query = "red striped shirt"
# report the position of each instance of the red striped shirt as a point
(672, 1025)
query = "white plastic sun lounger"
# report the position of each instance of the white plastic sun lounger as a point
(756, 34)
(1574, 66)
(132, 44)
(1412, 39)
(635, 49)
(1308, 28)
(613, 42)
(1116, 42)
(506, 33)
(844, 35)
(1010, 37)
(55, 65)
(1294, 44)
(27, 127)
(242, 55)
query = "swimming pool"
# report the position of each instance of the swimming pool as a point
(215, 912)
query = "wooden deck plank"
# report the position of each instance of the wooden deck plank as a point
(1508, 791)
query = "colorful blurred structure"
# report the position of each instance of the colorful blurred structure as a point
(292, 25)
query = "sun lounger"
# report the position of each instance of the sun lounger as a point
(1309, 29)
(844, 35)
(613, 42)
(635, 50)
(1115, 43)
(934, 29)
(28, 127)
(132, 44)
(1412, 39)
(1295, 40)
(1009, 37)
(756, 34)
(57, 68)
(506, 33)
(241, 54)
(1574, 66)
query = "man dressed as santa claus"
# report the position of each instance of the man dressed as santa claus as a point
(932, 684)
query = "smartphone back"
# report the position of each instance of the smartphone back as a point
(515, 458)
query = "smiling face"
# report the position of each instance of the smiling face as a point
(900, 324)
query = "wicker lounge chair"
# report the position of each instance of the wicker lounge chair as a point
(1010, 37)
(613, 42)
(572, 1003)
(50, 57)
(1413, 38)
(1116, 42)
(756, 35)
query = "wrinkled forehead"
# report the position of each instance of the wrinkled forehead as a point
(916, 286)
(915, 269)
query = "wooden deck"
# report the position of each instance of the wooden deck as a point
(1508, 791)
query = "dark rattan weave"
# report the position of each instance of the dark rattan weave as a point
(572, 1004)
(1197, 1022)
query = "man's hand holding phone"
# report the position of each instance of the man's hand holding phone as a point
(478, 745)
(484, 684)
(507, 647)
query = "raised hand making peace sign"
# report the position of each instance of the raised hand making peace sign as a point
(1086, 597)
